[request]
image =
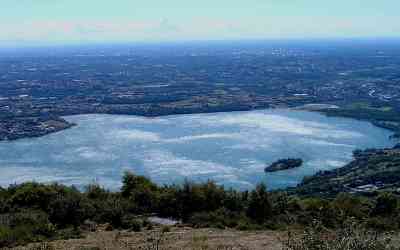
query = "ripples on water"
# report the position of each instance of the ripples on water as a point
(230, 148)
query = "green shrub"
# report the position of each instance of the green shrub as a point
(32, 195)
(166, 229)
(136, 225)
(69, 233)
(67, 210)
(141, 191)
(26, 227)
(260, 207)
(219, 219)
(386, 204)
(95, 192)
(149, 227)
(109, 227)
(350, 237)
(382, 224)
(6, 236)
(243, 226)
(112, 210)
(33, 212)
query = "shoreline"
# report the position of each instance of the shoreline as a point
(324, 109)
(89, 119)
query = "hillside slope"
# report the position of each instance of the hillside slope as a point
(371, 171)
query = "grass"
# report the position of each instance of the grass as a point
(351, 237)
(316, 237)
(177, 239)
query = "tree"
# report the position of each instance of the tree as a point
(140, 190)
(95, 191)
(260, 207)
(67, 210)
(386, 204)
(32, 194)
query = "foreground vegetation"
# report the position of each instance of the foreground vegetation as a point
(33, 212)
(314, 237)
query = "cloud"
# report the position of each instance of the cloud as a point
(87, 154)
(164, 166)
(325, 164)
(67, 30)
(204, 137)
(161, 162)
(137, 119)
(93, 154)
(327, 143)
(135, 134)
(283, 124)
(199, 28)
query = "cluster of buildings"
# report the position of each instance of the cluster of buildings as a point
(182, 82)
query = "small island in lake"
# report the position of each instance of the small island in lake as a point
(284, 164)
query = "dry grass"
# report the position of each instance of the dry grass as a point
(177, 238)
(180, 238)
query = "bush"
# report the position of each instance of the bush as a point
(112, 211)
(260, 207)
(34, 212)
(249, 226)
(218, 219)
(244, 226)
(350, 237)
(26, 227)
(32, 195)
(95, 192)
(136, 225)
(351, 206)
(6, 236)
(68, 210)
(141, 191)
(382, 224)
(69, 233)
(386, 204)
(166, 229)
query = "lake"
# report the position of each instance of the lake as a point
(230, 148)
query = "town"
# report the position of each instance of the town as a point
(39, 86)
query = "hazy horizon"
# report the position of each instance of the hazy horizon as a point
(177, 43)
(74, 22)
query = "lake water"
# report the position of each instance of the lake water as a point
(230, 148)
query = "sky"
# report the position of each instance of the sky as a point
(65, 21)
